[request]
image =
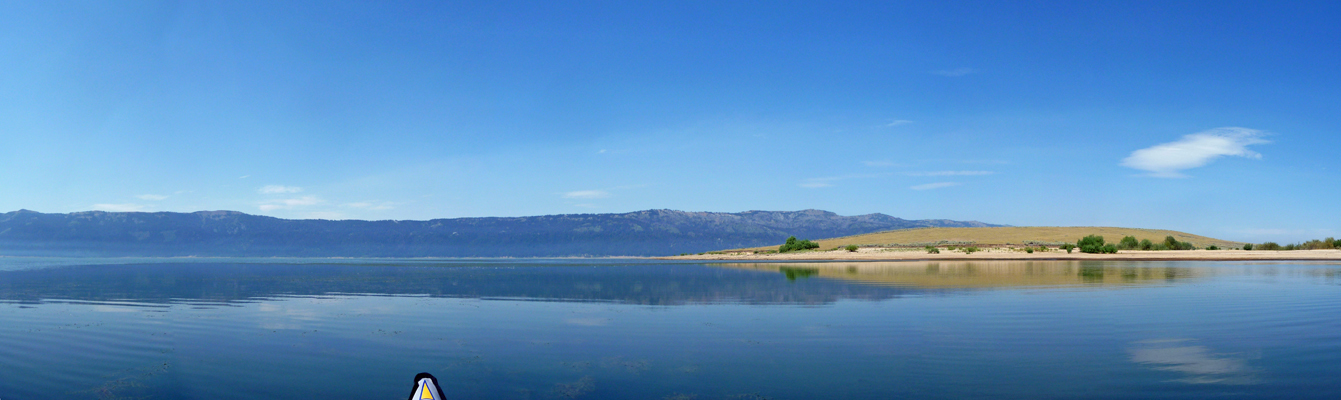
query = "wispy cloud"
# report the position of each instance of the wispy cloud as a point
(151, 197)
(279, 189)
(586, 194)
(823, 182)
(898, 122)
(937, 185)
(954, 72)
(951, 173)
(244, 177)
(1169, 159)
(282, 204)
(127, 207)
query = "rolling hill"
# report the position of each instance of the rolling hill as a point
(1009, 235)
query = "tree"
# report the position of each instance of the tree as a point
(1128, 243)
(794, 245)
(1146, 244)
(1247, 246)
(1068, 247)
(1092, 244)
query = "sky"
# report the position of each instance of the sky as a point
(1215, 118)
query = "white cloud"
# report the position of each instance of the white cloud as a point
(1195, 150)
(814, 183)
(936, 185)
(151, 197)
(274, 189)
(119, 207)
(951, 173)
(289, 203)
(954, 72)
(898, 122)
(586, 194)
(244, 177)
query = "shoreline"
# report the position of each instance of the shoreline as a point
(998, 254)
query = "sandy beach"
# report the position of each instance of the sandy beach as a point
(916, 254)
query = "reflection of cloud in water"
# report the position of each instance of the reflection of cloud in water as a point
(1179, 355)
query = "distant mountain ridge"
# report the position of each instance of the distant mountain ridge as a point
(231, 233)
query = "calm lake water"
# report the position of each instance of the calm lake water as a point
(620, 329)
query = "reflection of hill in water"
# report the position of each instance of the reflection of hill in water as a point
(651, 284)
(984, 274)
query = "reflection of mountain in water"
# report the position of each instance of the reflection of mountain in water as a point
(651, 284)
(974, 274)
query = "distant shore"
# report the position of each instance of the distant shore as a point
(913, 254)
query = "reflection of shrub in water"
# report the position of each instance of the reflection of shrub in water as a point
(793, 272)
(1092, 273)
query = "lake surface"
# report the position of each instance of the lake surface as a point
(634, 329)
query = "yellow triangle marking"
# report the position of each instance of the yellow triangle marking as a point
(424, 392)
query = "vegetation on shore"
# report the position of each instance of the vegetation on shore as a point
(794, 245)
(1328, 243)
(1016, 237)
(1092, 242)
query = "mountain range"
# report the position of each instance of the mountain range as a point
(236, 234)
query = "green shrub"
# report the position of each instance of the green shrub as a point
(1029, 250)
(851, 248)
(1247, 246)
(970, 250)
(1146, 244)
(1269, 246)
(933, 250)
(1092, 244)
(1108, 249)
(1128, 243)
(1212, 247)
(794, 245)
(1068, 247)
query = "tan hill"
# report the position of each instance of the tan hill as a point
(1007, 236)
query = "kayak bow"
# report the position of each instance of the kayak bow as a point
(426, 388)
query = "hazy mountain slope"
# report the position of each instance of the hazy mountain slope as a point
(230, 233)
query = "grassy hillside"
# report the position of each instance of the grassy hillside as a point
(1004, 236)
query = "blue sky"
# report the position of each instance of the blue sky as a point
(1217, 118)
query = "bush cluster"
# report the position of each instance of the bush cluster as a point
(794, 245)
(851, 248)
(1328, 243)
(1094, 244)
(933, 250)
